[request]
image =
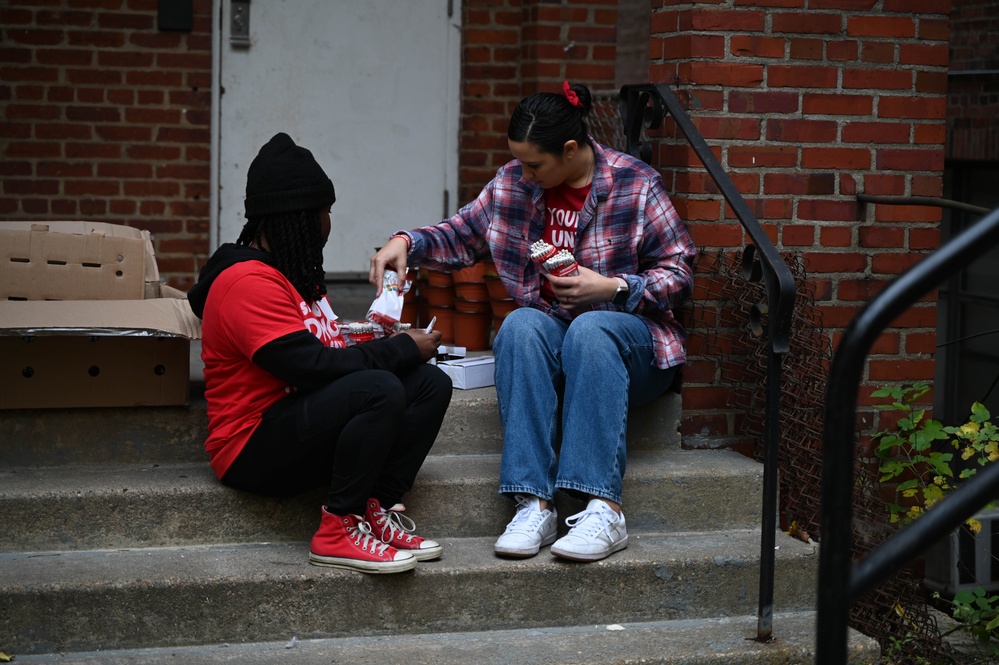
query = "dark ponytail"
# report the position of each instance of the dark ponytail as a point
(547, 120)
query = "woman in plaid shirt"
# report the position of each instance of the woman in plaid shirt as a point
(582, 349)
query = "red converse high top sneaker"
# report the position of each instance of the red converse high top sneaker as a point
(346, 542)
(396, 529)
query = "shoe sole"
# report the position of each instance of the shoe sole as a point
(374, 567)
(586, 556)
(515, 553)
(428, 554)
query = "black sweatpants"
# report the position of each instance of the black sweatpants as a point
(364, 435)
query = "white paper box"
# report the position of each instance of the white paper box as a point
(468, 373)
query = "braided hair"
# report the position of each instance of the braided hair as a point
(548, 120)
(296, 244)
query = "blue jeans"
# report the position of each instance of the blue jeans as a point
(591, 371)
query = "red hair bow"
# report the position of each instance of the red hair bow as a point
(571, 96)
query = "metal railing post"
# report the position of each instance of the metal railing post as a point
(646, 105)
(840, 583)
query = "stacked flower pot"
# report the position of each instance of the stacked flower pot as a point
(470, 304)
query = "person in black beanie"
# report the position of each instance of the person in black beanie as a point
(291, 406)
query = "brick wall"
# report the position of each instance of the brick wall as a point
(973, 99)
(104, 117)
(512, 48)
(805, 108)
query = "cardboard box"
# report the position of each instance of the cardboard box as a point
(85, 322)
(472, 372)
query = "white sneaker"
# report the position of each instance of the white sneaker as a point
(529, 531)
(595, 533)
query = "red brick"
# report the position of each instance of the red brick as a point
(923, 54)
(722, 73)
(839, 158)
(910, 160)
(875, 132)
(836, 236)
(797, 235)
(757, 46)
(916, 342)
(792, 76)
(846, 5)
(881, 26)
(912, 107)
(717, 235)
(893, 264)
(815, 103)
(835, 262)
(827, 210)
(878, 52)
(907, 214)
(746, 101)
(930, 134)
(814, 184)
(860, 290)
(924, 239)
(883, 184)
(727, 20)
(843, 51)
(881, 237)
(801, 131)
(762, 156)
(927, 185)
(716, 127)
(901, 370)
(808, 22)
(931, 82)
(696, 209)
(877, 79)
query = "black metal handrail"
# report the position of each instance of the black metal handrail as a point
(646, 105)
(841, 583)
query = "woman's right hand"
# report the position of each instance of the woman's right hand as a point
(426, 342)
(393, 256)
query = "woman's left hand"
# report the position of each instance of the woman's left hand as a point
(584, 289)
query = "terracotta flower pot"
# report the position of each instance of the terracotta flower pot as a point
(472, 330)
(502, 307)
(495, 288)
(470, 275)
(471, 291)
(467, 306)
(445, 323)
(437, 278)
(439, 296)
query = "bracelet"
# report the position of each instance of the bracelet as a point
(406, 238)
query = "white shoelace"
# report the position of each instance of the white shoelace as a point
(366, 540)
(527, 520)
(393, 521)
(591, 523)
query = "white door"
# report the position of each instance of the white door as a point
(371, 87)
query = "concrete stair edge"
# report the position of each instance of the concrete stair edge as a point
(715, 641)
(81, 601)
(50, 437)
(131, 505)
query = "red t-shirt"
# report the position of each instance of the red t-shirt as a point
(563, 204)
(249, 305)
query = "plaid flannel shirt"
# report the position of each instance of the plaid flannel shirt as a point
(627, 228)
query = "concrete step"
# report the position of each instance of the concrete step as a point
(53, 437)
(721, 641)
(185, 596)
(139, 505)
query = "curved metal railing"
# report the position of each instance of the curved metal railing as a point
(841, 583)
(646, 105)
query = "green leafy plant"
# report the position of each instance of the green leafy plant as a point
(918, 455)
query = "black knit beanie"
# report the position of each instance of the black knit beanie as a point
(285, 177)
